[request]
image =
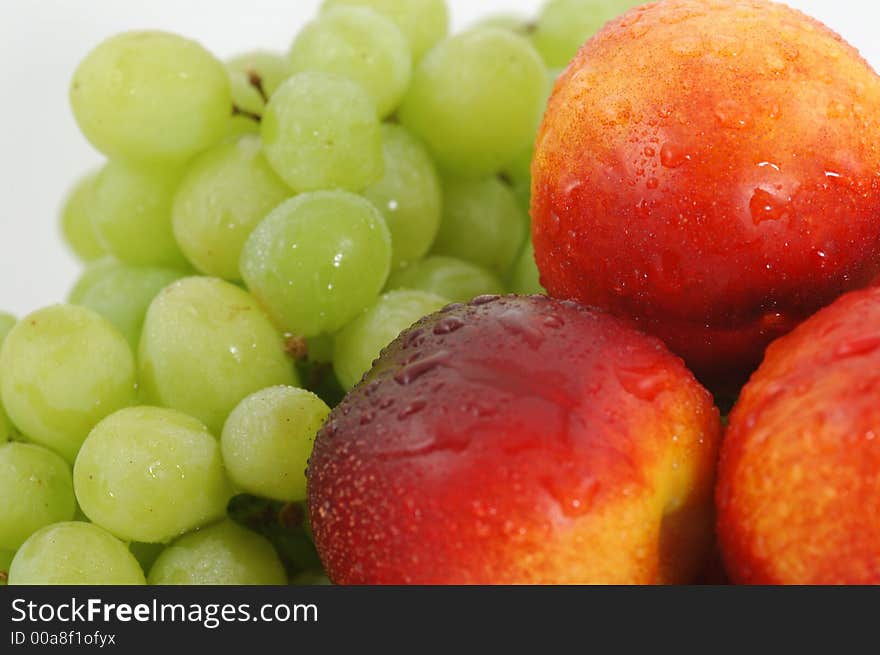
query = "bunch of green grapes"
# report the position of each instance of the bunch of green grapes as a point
(262, 228)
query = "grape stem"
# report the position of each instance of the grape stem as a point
(238, 111)
(256, 81)
(297, 348)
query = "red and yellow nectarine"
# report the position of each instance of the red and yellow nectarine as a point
(710, 169)
(799, 480)
(517, 440)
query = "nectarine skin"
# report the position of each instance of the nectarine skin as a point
(517, 440)
(710, 169)
(799, 481)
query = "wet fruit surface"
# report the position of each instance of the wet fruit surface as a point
(710, 170)
(799, 487)
(517, 440)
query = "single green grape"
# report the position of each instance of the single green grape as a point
(74, 553)
(225, 193)
(482, 223)
(317, 261)
(452, 278)
(360, 44)
(525, 278)
(206, 344)
(63, 369)
(146, 554)
(271, 68)
(423, 22)
(132, 213)
(5, 560)
(563, 26)
(36, 490)
(151, 96)
(149, 474)
(221, 554)
(408, 195)
(320, 131)
(360, 342)
(267, 441)
(76, 220)
(121, 293)
(475, 100)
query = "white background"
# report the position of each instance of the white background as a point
(41, 151)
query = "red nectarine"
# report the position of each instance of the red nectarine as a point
(799, 480)
(517, 440)
(710, 169)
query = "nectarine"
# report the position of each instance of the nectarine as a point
(709, 168)
(517, 440)
(799, 481)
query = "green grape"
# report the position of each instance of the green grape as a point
(74, 553)
(149, 96)
(318, 260)
(240, 126)
(458, 280)
(132, 213)
(565, 25)
(63, 369)
(121, 293)
(271, 68)
(423, 22)
(76, 220)
(408, 195)
(525, 278)
(475, 100)
(482, 223)
(221, 554)
(206, 344)
(150, 474)
(146, 554)
(320, 131)
(360, 44)
(267, 441)
(360, 342)
(5, 560)
(225, 193)
(35, 490)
